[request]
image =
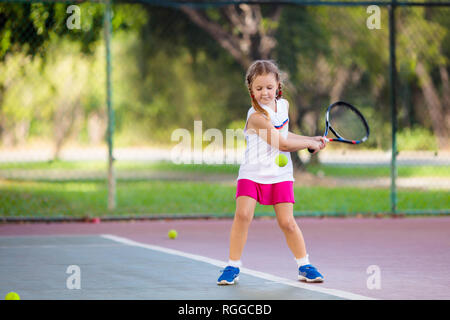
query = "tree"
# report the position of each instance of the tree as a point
(241, 30)
(28, 29)
(247, 32)
(32, 32)
(421, 47)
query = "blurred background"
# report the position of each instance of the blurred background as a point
(172, 64)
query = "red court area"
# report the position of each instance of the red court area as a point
(382, 258)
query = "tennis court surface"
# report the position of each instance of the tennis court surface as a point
(367, 258)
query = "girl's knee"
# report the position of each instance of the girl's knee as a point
(244, 216)
(288, 225)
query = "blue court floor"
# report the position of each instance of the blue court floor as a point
(95, 267)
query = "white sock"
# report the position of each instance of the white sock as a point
(235, 263)
(302, 261)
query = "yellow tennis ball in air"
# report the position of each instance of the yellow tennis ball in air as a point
(173, 234)
(281, 160)
(12, 296)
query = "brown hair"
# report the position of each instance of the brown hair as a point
(258, 68)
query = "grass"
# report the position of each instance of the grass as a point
(120, 166)
(380, 171)
(327, 170)
(86, 198)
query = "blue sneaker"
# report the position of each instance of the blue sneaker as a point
(309, 273)
(229, 275)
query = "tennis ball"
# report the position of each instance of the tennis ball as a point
(172, 234)
(281, 160)
(12, 296)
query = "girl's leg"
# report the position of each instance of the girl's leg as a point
(295, 241)
(245, 209)
(294, 237)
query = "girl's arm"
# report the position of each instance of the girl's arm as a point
(292, 135)
(322, 141)
(267, 132)
(296, 136)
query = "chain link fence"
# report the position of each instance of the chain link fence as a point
(423, 104)
(177, 75)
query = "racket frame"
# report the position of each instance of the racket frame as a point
(339, 138)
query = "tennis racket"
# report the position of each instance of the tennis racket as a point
(346, 123)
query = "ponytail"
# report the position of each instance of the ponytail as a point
(257, 107)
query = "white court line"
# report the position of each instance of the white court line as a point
(262, 275)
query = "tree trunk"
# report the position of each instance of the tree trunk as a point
(342, 77)
(2, 117)
(445, 94)
(434, 106)
(21, 131)
(63, 122)
(96, 127)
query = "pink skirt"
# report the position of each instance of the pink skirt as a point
(266, 194)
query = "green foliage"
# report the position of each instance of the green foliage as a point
(420, 39)
(416, 139)
(37, 90)
(171, 89)
(237, 124)
(169, 72)
(41, 23)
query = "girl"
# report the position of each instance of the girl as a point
(260, 179)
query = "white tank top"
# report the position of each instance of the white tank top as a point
(259, 164)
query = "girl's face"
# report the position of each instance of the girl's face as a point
(264, 88)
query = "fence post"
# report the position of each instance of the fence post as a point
(110, 130)
(393, 93)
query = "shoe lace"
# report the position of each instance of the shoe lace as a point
(309, 267)
(227, 269)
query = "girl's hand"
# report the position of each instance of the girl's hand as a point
(315, 144)
(322, 140)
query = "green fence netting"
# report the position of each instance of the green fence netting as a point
(92, 114)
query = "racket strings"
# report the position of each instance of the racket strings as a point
(347, 123)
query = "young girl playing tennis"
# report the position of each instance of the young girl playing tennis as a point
(260, 178)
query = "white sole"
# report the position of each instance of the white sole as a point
(302, 278)
(225, 282)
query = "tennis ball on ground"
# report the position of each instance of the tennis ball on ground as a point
(172, 234)
(281, 160)
(12, 296)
